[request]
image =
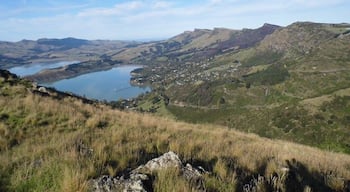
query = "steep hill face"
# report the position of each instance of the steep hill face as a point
(196, 45)
(223, 38)
(302, 37)
(187, 36)
(249, 37)
(55, 142)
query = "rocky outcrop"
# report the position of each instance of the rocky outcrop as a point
(140, 179)
(167, 160)
(135, 183)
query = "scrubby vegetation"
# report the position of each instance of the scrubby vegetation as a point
(59, 145)
(262, 58)
(270, 76)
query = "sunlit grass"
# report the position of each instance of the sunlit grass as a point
(51, 145)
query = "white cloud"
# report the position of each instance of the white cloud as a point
(118, 9)
(161, 4)
(37, 11)
(159, 18)
(132, 5)
(215, 1)
(218, 2)
(315, 3)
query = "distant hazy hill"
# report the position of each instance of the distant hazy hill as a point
(48, 50)
(224, 38)
(201, 43)
(63, 44)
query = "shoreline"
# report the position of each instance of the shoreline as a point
(71, 71)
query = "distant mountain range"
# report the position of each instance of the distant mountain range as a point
(49, 50)
(208, 42)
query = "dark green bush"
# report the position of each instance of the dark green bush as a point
(274, 74)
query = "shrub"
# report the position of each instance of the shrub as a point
(274, 74)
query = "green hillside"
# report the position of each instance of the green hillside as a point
(293, 85)
(54, 143)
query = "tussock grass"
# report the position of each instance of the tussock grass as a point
(170, 180)
(51, 145)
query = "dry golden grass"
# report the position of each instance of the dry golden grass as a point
(50, 145)
(206, 38)
(170, 181)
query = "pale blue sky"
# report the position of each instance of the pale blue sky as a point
(154, 19)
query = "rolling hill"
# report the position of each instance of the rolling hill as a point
(62, 143)
(50, 50)
(293, 84)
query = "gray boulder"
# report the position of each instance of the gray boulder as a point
(138, 180)
(167, 160)
(105, 183)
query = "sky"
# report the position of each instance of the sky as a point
(154, 19)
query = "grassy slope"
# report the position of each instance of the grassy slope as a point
(318, 68)
(44, 142)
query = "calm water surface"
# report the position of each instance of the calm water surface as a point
(36, 67)
(109, 85)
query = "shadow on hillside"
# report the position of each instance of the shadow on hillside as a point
(4, 181)
(207, 165)
(298, 178)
